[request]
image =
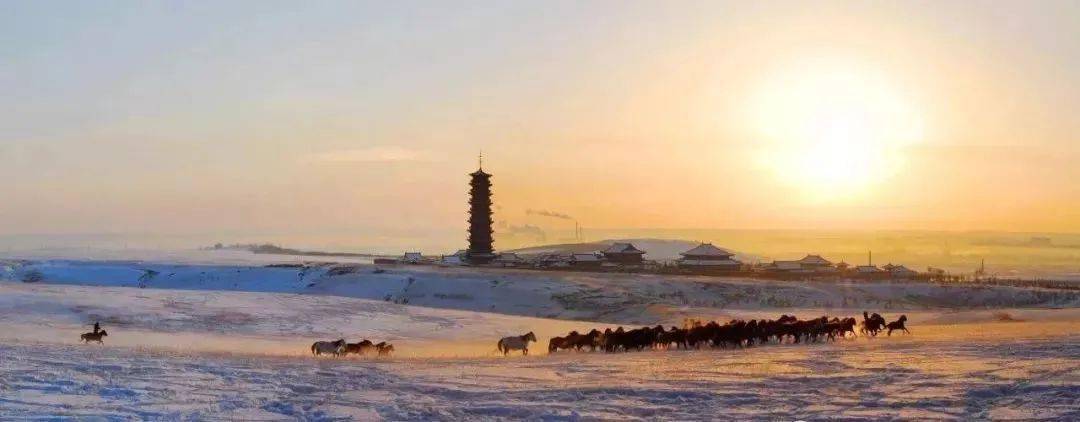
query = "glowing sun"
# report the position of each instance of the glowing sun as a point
(833, 129)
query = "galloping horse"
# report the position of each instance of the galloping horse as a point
(872, 324)
(556, 343)
(362, 348)
(506, 344)
(336, 348)
(384, 348)
(897, 325)
(88, 337)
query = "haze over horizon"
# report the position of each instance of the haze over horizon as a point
(365, 117)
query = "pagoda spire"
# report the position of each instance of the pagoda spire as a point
(481, 244)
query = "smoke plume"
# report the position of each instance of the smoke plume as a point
(552, 214)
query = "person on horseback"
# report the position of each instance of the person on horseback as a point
(97, 327)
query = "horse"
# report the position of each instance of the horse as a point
(88, 337)
(588, 340)
(384, 348)
(361, 348)
(556, 343)
(897, 325)
(336, 348)
(847, 325)
(506, 344)
(675, 335)
(872, 324)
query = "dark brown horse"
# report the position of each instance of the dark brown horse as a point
(872, 324)
(384, 348)
(897, 325)
(557, 343)
(88, 337)
(362, 348)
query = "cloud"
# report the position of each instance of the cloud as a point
(553, 214)
(379, 154)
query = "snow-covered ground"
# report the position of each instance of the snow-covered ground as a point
(616, 298)
(254, 322)
(216, 340)
(999, 370)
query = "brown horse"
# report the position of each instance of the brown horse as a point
(384, 348)
(556, 343)
(897, 325)
(88, 337)
(872, 324)
(362, 348)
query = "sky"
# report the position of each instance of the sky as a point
(264, 117)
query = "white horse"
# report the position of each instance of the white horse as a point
(506, 344)
(336, 348)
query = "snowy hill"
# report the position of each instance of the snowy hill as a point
(617, 298)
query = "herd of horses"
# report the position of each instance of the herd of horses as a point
(736, 333)
(341, 348)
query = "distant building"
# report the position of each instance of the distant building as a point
(458, 258)
(708, 258)
(481, 244)
(586, 260)
(552, 260)
(808, 264)
(623, 253)
(412, 258)
(816, 263)
(900, 271)
(868, 270)
(783, 267)
(508, 259)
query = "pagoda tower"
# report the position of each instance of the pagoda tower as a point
(481, 249)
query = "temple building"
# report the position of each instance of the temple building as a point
(866, 270)
(899, 271)
(585, 260)
(808, 264)
(623, 253)
(481, 245)
(816, 263)
(707, 258)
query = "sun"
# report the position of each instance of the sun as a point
(832, 129)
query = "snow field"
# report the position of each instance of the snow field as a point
(228, 342)
(1008, 372)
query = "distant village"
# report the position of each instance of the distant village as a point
(704, 259)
